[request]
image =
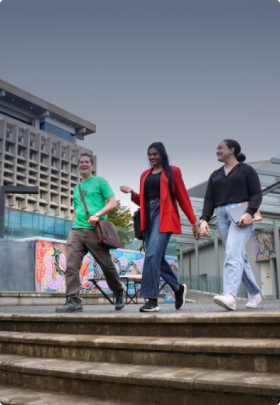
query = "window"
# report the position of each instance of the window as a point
(42, 159)
(31, 155)
(53, 151)
(53, 162)
(52, 197)
(20, 139)
(32, 144)
(43, 147)
(63, 155)
(41, 195)
(7, 146)
(20, 151)
(62, 166)
(61, 133)
(8, 135)
(61, 200)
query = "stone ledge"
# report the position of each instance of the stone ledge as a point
(187, 379)
(42, 299)
(176, 318)
(11, 395)
(179, 345)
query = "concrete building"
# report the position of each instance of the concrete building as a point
(38, 147)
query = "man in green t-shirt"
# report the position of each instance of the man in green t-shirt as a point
(100, 200)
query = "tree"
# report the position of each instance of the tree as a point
(121, 216)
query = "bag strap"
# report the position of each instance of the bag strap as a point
(82, 197)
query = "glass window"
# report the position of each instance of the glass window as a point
(55, 130)
(49, 224)
(26, 220)
(46, 127)
(65, 135)
(59, 226)
(7, 146)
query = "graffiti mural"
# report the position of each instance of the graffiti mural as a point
(51, 265)
(264, 246)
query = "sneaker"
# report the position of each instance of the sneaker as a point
(253, 300)
(69, 307)
(181, 296)
(226, 300)
(119, 300)
(150, 306)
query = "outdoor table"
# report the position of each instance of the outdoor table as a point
(136, 278)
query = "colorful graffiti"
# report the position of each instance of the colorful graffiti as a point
(51, 265)
(264, 246)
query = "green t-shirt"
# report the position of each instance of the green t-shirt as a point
(96, 191)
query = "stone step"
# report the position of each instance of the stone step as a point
(11, 395)
(144, 384)
(249, 325)
(43, 298)
(260, 355)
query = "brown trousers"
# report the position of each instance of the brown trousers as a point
(79, 243)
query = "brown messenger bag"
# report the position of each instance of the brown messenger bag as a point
(106, 232)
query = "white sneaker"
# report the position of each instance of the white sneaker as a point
(253, 300)
(226, 300)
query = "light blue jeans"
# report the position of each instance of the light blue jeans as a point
(155, 265)
(236, 267)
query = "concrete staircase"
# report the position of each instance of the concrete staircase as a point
(212, 359)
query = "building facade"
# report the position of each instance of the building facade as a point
(38, 147)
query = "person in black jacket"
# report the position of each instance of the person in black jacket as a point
(235, 182)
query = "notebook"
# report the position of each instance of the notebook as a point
(235, 212)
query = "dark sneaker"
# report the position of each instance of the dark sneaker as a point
(150, 306)
(69, 307)
(180, 296)
(119, 300)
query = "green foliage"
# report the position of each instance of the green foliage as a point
(122, 219)
(121, 216)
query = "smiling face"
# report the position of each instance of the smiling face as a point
(155, 157)
(224, 153)
(85, 166)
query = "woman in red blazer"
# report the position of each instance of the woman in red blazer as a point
(160, 188)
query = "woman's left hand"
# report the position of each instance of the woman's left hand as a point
(245, 220)
(196, 232)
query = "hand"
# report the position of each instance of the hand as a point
(92, 220)
(245, 220)
(204, 228)
(196, 232)
(126, 190)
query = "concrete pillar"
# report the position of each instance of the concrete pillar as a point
(277, 251)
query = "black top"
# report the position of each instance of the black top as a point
(152, 186)
(240, 185)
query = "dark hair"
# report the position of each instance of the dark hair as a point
(87, 154)
(167, 169)
(237, 149)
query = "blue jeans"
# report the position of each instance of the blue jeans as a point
(236, 267)
(155, 265)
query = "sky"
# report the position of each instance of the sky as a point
(188, 73)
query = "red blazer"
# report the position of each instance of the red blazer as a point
(169, 220)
